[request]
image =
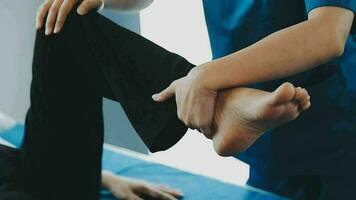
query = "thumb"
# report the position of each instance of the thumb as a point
(166, 93)
(88, 5)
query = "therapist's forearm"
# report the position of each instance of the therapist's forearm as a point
(127, 5)
(282, 54)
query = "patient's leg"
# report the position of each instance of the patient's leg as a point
(91, 58)
(9, 165)
(244, 114)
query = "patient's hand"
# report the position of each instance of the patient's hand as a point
(132, 189)
(57, 11)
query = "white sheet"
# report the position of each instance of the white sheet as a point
(6, 122)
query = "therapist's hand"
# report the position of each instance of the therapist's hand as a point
(57, 11)
(132, 189)
(195, 103)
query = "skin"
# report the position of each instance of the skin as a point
(287, 52)
(242, 115)
(58, 10)
(121, 187)
(197, 93)
(195, 102)
(132, 189)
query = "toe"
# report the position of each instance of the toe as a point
(301, 97)
(307, 93)
(299, 94)
(305, 106)
(291, 111)
(304, 101)
(283, 94)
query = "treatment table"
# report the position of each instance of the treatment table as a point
(136, 165)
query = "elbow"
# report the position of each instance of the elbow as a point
(339, 48)
(337, 44)
(329, 47)
(331, 26)
(336, 41)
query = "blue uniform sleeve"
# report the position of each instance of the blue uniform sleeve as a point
(348, 4)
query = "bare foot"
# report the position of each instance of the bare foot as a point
(243, 114)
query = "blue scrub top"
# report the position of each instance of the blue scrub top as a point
(322, 139)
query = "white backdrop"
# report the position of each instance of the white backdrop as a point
(179, 26)
(17, 33)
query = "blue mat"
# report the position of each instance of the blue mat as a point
(195, 187)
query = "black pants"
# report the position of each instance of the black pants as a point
(9, 165)
(90, 59)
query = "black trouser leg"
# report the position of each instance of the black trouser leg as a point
(91, 58)
(9, 163)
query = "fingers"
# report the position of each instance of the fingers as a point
(152, 192)
(166, 94)
(42, 12)
(171, 191)
(206, 116)
(52, 15)
(207, 131)
(88, 5)
(204, 126)
(57, 12)
(132, 196)
(63, 12)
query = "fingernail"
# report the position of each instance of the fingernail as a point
(155, 97)
(80, 11)
(48, 31)
(56, 29)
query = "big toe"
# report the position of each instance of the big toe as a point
(283, 94)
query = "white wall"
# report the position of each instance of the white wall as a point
(118, 129)
(179, 26)
(17, 33)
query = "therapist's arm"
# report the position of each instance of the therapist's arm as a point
(127, 5)
(284, 53)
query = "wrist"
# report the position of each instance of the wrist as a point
(205, 76)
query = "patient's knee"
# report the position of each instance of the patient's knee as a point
(71, 26)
